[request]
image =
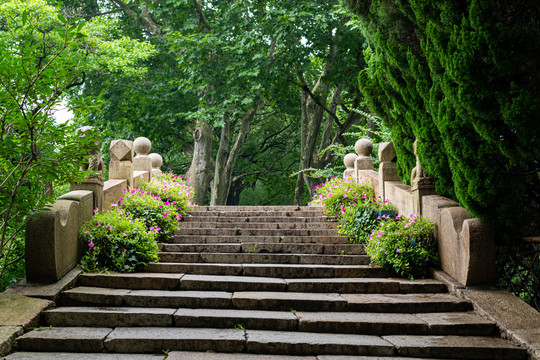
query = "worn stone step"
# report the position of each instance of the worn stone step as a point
(232, 283)
(108, 316)
(225, 208)
(406, 303)
(189, 355)
(366, 285)
(227, 239)
(148, 281)
(272, 270)
(80, 356)
(64, 339)
(260, 213)
(211, 219)
(256, 232)
(340, 322)
(295, 248)
(459, 347)
(257, 225)
(242, 258)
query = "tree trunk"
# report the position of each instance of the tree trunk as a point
(200, 174)
(299, 189)
(222, 179)
(221, 159)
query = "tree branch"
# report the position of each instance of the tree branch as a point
(201, 15)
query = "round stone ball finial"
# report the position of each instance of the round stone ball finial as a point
(157, 160)
(363, 147)
(142, 146)
(348, 160)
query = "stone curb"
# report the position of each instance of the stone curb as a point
(22, 304)
(515, 319)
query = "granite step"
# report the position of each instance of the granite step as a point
(258, 213)
(271, 270)
(256, 232)
(225, 208)
(209, 218)
(82, 356)
(227, 239)
(463, 323)
(263, 258)
(290, 248)
(256, 225)
(164, 339)
(252, 300)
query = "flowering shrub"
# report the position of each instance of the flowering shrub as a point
(337, 194)
(117, 242)
(405, 245)
(357, 222)
(172, 190)
(381, 204)
(158, 216)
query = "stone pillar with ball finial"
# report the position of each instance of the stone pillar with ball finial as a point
(121, 164)
(348, 160)
(142, 162)
(157, 161)
(363, 161)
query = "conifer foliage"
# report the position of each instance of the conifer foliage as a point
(462, 77)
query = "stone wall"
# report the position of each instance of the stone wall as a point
(466, 244)
(52, 246)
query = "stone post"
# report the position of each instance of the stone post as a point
(121, 165)
(421, 184)
(94, 182)
(387, 167)
(157, 161)
(348, 160)
(142, 162)
(363, 161)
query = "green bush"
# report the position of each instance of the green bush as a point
(172, 190)
(117, 242)
(157, 215)
(405, 245)
(357, 222)
(337, 194)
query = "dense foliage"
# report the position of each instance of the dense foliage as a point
(117, 242)
(462, 77)
(405, 245)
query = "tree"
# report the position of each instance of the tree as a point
(459, 76)
(43, 55)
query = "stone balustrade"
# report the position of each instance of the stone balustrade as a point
(466, 244)
(52, 245)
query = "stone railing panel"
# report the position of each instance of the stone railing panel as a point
(52, 247)
(400, 195)
(112, 192)
(85, 199)
(370, 177)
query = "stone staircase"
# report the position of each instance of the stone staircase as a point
(261, 280)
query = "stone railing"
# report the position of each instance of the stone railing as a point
(52, 245)
(466, 244)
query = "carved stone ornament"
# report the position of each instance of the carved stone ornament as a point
(418, 176)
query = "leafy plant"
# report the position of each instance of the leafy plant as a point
(117, 242)
(172, 190)
(337, 194)
(357, 222)
(405, 245)
(157, 215)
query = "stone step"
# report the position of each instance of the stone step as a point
(133, 281)
(257, 225)
(209, 219)
(289, 248)
(191, 355)
(256, 232)
(263, 258)
(260, 213)
(467, 323)
(271, 270)
(264, 300)
(164, 339)
(80, 356)
(225, 239)
(225, 208)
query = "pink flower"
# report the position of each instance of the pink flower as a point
(397, 250)
(165, 215)
(125, 250)
(91, 244)
(87, 233)
(124, 234)
(158, 228)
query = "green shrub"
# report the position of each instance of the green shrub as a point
(357, 222)
(157, 215)
(172, 190)
(117, 242)
(405, 245)
(337, 194)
